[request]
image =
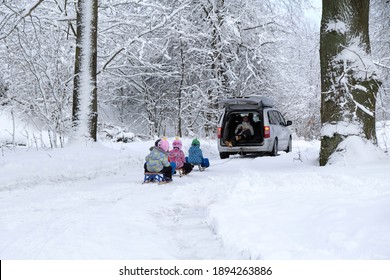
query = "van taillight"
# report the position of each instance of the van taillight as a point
(267, 132)
(219, 132)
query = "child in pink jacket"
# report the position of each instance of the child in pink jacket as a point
(177, 156)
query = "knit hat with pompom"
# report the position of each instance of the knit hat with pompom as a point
(164, 144)
(177, 143)
(195, 142)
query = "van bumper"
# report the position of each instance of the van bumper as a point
(267, 146)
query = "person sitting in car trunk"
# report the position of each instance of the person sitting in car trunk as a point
(244, 131)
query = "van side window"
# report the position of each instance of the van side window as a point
(272, 117)
(278, 118)
(282, 121)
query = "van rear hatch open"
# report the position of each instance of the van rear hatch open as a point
(239, 106)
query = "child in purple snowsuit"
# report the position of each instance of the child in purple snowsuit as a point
(177, 156)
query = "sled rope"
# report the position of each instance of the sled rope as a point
(223, 162)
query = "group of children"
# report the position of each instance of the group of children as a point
(165, 161)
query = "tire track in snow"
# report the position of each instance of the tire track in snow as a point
(191, 235)
(186, 216)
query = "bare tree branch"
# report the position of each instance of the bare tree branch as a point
(151, 29)
(23, 14)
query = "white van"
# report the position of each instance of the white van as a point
(270, 130)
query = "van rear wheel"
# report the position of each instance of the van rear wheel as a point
(224, 155)
(289, 147)
(275, 151)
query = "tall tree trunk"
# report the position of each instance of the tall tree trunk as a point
(180, 91)
(84, 114)
(151, 110)
(215, 15)
(348, 80)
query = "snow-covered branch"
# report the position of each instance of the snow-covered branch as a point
(27, 11)
(143, 33)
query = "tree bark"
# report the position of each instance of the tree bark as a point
(84, 110)
(215, 14)
(348, 80)
(180, 91)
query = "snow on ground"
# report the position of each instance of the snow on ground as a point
(87, 202)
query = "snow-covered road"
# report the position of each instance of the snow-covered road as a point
(89, 203)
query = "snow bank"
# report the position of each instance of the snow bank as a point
(276, 209)
(355, 151)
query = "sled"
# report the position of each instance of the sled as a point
(164, 182)
(201, 168)
(180, 171)
(153, 177)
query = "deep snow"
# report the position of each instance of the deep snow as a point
(87, 202)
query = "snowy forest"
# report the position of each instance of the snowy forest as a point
(160, 66)
(87, 87)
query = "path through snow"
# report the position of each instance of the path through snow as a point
(89, 203)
